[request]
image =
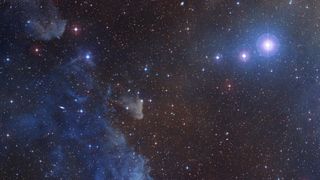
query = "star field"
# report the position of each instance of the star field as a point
(171, 89)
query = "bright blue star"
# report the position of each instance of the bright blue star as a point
(218, 57)
(267, 45)
(146, 69)
(244, 56)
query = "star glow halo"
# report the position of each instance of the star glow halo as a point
(267, 45)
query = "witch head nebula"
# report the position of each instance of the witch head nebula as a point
(59, 129)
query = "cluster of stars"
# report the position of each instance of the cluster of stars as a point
(193, 121)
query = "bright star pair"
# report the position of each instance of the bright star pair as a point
(267, 46)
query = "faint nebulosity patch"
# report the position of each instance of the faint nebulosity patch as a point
(59, 130)
(42, 19)
(134, 105)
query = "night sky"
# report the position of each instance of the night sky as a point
(160, 89)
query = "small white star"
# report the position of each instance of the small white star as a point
(244, 56)
(75, 29)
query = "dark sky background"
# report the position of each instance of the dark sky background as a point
(159, 89)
